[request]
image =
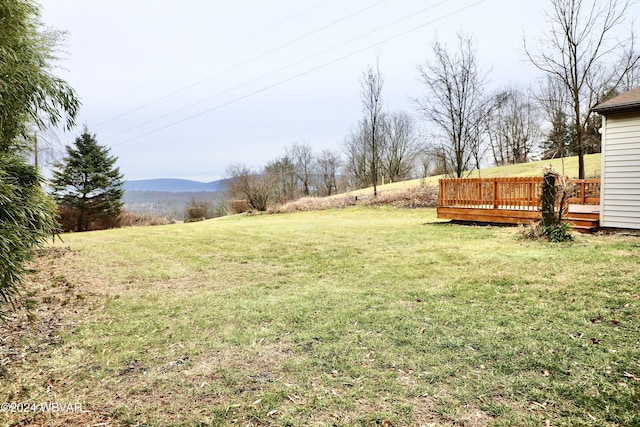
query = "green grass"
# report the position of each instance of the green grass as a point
(349, 317)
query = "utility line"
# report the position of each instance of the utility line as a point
(219, 106)
(245, 62)
(246, 83)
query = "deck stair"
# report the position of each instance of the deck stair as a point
(584, 218)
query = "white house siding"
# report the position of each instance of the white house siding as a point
(620, 185)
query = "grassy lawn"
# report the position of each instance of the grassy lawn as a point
(351, 317)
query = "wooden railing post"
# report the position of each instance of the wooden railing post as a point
(495, 194)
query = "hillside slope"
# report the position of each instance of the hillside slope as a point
(174, 185)
(567, 166)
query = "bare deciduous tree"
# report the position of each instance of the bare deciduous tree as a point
(513, 128)
(253, 187)
(552, 99)
(303, 160)
(371, 84)
(328, 164)
(454, 103)
(401, 146)
(282, 176)
(358, 154)
(581, 50)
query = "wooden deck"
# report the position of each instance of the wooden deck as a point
(514, 201)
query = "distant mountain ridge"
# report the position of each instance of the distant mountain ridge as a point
(172, 185)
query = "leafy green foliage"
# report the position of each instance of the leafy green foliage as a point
(29, 95)
(88, 184)
(27, 216)
(559, 232)
(29, 92)
(555, 233)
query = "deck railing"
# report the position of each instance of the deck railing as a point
(522, 193)
(585, 192)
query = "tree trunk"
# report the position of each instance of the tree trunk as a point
(548, 199)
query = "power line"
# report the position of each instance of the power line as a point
(246, 83)
(245, 62)
(219, 106)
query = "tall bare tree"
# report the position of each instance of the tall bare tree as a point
(583, 51)
(552, 98)
(401, 146)
(371, 84)
(303, 160)
(358, 154)
(514, 128)
(281, 174)
(328, 164)
(454, 103)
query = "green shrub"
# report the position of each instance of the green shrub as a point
(559, 232)
(27, 220)
(556, 233)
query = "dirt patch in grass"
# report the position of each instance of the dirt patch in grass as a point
(62, 297)
(58, 294)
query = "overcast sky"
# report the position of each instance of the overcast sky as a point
(183, 89)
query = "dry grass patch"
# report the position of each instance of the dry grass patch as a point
(423, 196)
(131, 219)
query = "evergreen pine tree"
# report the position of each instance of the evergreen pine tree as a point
(560, 140)
(87, 185)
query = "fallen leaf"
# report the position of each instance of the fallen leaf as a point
(614, 321)
(633, 377)
(596, 319)
(594, 341)
(386, 423)
(295, 399)
(535, 406)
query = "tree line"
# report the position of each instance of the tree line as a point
(586, 57)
